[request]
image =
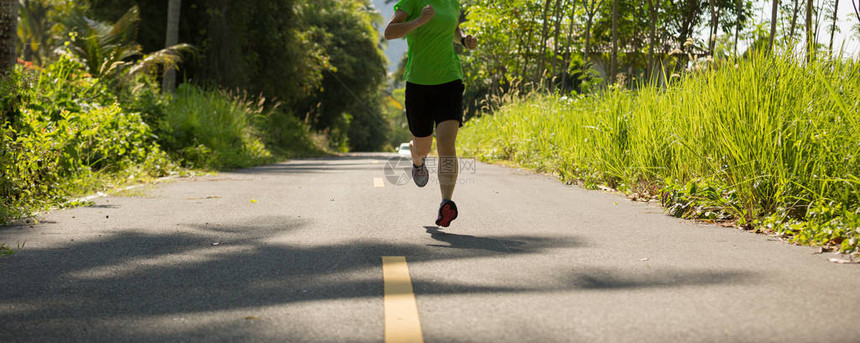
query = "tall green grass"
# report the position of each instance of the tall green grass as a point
(768, 143)
(222, 130)
(209, 129)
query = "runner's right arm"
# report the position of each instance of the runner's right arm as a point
(398, 27)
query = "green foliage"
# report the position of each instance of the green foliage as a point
(394, 106)
(107, 50)
(286, 136)
(769, 144)
(102, 47)
(213, 130)
(319, 58)
(6, 250)
(348, 101)
(39, 27)
(566, 45)
(66, 127)
(66, 133)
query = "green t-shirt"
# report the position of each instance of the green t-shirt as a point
(432, 60)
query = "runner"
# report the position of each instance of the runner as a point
(434, 88)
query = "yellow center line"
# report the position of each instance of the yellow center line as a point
(378, 182)
(401, 311)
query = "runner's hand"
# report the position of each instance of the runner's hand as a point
(426, 14)
(471, 42)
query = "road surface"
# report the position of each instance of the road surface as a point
(293, 252)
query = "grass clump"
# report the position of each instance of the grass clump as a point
(221, 130)
(209, 130)
(6, 250)
(768, 144)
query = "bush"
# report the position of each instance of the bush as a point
(66, 127)
(285, 135)
(65, 133)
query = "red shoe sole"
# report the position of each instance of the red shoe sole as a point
(448, 214)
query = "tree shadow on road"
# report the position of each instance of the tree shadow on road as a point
(76, 291)
(609, 279)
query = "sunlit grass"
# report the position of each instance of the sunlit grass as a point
(211, 130)
(771, 145)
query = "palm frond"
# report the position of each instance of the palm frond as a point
(103, 47)
(167, 58)
(124, 29)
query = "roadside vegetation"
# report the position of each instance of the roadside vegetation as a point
(86, 108)
(766, 144)
(756, 127)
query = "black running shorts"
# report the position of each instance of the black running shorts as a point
(429, 105)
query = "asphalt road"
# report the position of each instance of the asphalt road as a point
(292, 253)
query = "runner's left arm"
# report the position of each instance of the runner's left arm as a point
(460, 38)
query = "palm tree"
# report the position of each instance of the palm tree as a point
(108, 50)
(8, 34)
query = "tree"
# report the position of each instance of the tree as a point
(716, 13)
(543, 38)
(738, 12)
(775, 8)
(856, 10)
(8, 34)
(653, 6)
(810, 36)
(558, 18)
(568, 49)
(833, 28)
(794, 14)
(173, 8)
(108, 50)
(591, 7)
(857, 13)
(613, 64)
(348, 102)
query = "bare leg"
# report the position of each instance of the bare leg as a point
(449, 167)
(420, 147)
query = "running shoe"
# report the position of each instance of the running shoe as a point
(420, 174)
(447, 213)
